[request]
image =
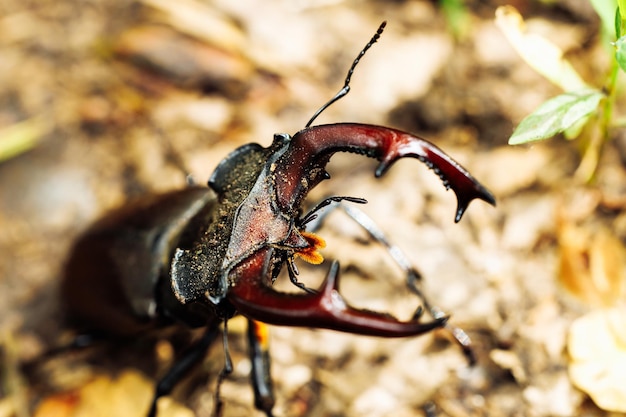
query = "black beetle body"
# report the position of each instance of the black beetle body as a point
(115, 279)
(118, 277)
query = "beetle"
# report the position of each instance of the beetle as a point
(200, 255)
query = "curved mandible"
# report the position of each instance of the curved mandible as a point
(301, 167)
(254, 297)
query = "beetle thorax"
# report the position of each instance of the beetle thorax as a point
(260, 223)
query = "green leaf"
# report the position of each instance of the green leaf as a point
(556, 115)
(621, 15)
(620, 52)
(618, 23)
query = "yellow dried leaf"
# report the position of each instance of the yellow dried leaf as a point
(129, 394)
(542, 55)
(22, 137)
(198, 19)
(597, 348)
(591, 265)
(59, 405)
(7, 407)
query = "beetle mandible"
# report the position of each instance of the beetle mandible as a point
(200, 255)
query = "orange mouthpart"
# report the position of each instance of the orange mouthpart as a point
(311, 253)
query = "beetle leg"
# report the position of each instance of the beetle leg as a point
(258, 342)
(301, 167)
(182, 366)
(255, 298)
(226, 370)
(462, 338)
(293, 272)
(413, 277)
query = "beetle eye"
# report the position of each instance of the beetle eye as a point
(281, 138)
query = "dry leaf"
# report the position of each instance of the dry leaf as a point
(184, 61)
(7, 408)
(591, 264)
(597, 347)
(126, 395)
(59, 405)
(542, 55)
(22, 137)
(201, 21)
(509, 360)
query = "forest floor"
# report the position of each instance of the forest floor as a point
(116, 99)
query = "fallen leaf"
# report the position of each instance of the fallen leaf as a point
(591, 264)
(509, 360)
(201, 21)
(186, 62)
(7, 407)
(597, 348)
(22, 137)
(129, 395)
(59, 405)
(542, 55)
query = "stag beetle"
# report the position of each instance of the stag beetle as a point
(200, 255)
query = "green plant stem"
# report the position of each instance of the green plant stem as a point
(591, 155)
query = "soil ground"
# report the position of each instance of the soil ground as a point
(125, 98)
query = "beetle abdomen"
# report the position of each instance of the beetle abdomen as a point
(113, 271)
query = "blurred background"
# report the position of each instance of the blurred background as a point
(102, 102)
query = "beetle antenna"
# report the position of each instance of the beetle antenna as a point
(346, 85)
